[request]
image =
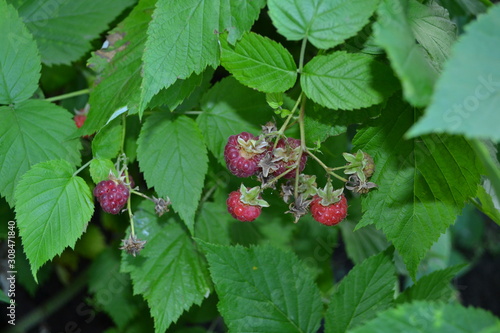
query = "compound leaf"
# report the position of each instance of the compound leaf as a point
(260, 63)
(169, 273)
(365, 291)
(347, 81)
(30, 132)
(183, 38)
(468, 93)
(19, 59)
(63, 29)
(173, 157)
(324, 23)
(263, 289)
(230, 108)
(423, 185)
(53, 208)
(431, 317)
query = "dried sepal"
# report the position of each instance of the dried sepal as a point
(132, 245)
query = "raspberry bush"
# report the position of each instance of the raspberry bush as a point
(136, 137)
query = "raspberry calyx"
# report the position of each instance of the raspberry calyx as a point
(243, 153)
(286, 155)
(329, 206)
(245, 204)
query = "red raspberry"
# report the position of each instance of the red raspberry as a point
(331, 214)
(112, 195)
(240, 210)
(286, 154)
(243, 153)
(79, 119)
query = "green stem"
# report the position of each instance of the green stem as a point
(302, 54)
(51, 306)
(303, 147)
(346, 166)
(81, 168)
(327, 169)
(68, 95)
(491, 169)
(285, 124)
(140, 194)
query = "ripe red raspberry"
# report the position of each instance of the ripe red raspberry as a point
(112, 195)
(286, 154)
(331, 214)
(240, 210)
(243, 153)
(79, 119)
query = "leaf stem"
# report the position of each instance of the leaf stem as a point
(82, 167)
(68, 95)
(302, 54)
(303, 147)
(285, 124)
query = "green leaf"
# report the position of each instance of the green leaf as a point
(321, 123)
(169, 273)
(174, 160)
(422, 185)
(19, 59)
(213, 223)
(63, 29)
(431, 317)
(260, 63)
(230, 108)
(174, 95)
(52, 210)
(362, 243)
(347, 81)
(183, 38)
(112, 290)
(489, 202)
(432, 287)
(100, 169)
(433, 29)
(120, 82)
(324, 23)
(467, 94)
(365, 291)
(107, 143)
(393, 31)
(263, 289)
(30, 132)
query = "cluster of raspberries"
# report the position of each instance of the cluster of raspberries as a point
(247, 155)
